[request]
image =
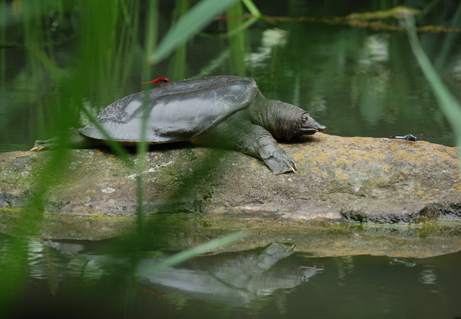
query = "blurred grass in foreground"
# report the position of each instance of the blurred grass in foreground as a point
(450, 107)
(109, 47)
(109, 50)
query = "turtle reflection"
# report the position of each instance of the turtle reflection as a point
(235, 278)
(232, 278)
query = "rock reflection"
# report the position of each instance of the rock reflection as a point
(232, 278)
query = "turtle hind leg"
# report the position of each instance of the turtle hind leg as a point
(73, 140)
(44, 145)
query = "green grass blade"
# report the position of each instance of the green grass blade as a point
(184, 255)
(189, 25)
(243, 26)
(237, 40)
(58, 76)
(179, 60)
(150, 38)
(450, 107)
(141, 165)
(252, 8)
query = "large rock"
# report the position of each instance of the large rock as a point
(366, 179)
(368, 175)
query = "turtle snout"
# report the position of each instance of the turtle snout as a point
(314, 125)
(321, 128)
(310, 126)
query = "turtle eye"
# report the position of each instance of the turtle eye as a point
(304, 118)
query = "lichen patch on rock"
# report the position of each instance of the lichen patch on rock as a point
(355, 178)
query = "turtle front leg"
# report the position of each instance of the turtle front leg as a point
(275, 158)
(240, 134)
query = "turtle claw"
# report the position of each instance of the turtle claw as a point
(43, 145)
(37, 148)
(279, 161)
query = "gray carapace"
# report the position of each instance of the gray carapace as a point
(220, 111)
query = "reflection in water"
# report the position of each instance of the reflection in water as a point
(270, 39)
(405, 261)
(231, 278)
(457, 70)
(235, 279)
(376, 49)
(265, 282)
(428, 277)
(345, 266)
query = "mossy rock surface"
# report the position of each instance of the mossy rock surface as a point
(355, 179)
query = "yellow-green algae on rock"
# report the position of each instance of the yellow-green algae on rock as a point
(369, 176)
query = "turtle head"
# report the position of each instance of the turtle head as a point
(308, 126)
(283, 120)
(293, 121)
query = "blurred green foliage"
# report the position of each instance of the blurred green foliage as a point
(448, 103)
(81, 55)
(107, 49)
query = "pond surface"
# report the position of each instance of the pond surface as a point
(76, 280)
(356, 81)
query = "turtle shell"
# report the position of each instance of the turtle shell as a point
(178, 111)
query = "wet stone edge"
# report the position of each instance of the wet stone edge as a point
(431, 212)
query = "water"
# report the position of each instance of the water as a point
(356, 81)
(74, 279)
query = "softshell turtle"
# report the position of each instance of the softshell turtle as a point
(221, 111)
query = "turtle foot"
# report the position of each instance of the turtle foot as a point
(280, 162)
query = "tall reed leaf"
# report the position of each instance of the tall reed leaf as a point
(450, 107)
(59, 77)
(252, 8)
(189, 25)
